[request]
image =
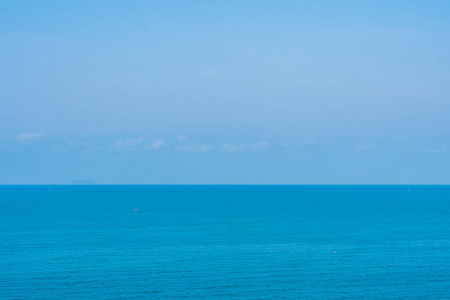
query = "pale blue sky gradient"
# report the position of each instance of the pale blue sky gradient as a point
(225, 92)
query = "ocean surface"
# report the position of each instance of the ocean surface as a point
(228, 242)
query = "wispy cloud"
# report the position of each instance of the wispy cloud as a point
(156, 145)
(365, 146)
(440, 150)
(74, 146)
(181, 138)
(29, 136)
(233, 148)
(130, 142)
(85, 147)
(308, 141)
(289, 144)
(430, 150)
(257, 146)
(199, 148)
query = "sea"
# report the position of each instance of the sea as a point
(224, 242)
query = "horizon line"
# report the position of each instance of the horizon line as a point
(223, 184)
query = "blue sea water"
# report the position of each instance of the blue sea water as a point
(229, 242)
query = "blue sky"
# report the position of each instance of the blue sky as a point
(308, 92)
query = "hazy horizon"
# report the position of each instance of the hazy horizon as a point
(290, 92)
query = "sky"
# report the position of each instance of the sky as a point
(224, 92)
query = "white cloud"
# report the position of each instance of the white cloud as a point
(259, 145)
(365, 146)
(130, 142)
(28, 136)
(181, 138)
(429, 150)
(156, 144)
(440, 150)
(199, 148)
(308, 141)
(233, 148)
(73, 146)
